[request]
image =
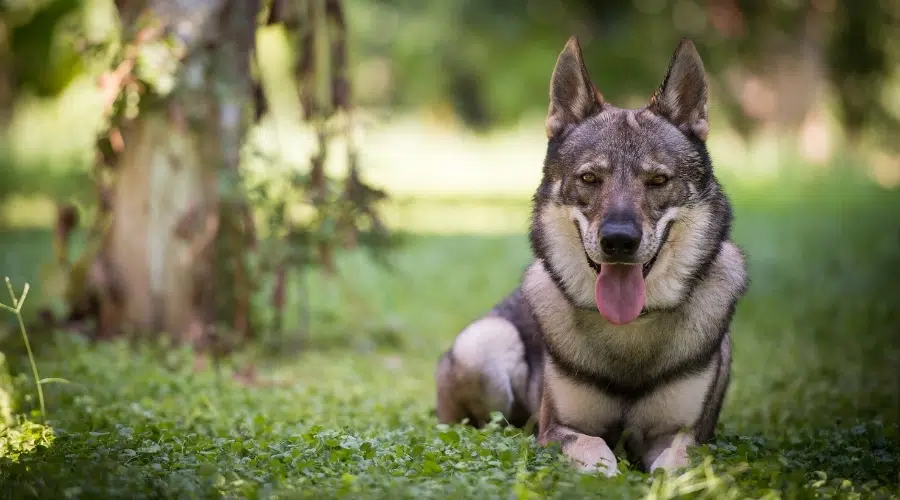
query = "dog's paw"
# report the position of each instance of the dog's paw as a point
(591, 455)
(675, 457)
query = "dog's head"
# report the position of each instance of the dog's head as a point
(619, 177)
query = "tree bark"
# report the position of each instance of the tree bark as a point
(175, 247)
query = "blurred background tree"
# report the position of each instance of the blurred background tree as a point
(173, 245)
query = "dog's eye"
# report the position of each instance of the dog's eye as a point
(588, 178)
(658, 180)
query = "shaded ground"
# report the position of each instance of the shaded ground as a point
(813, 408)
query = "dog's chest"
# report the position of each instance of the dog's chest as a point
(580, 335)
(628, 354)
(588, 409)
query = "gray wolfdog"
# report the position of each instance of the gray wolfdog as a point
(620, 327)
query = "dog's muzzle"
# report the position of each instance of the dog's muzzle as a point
(647, 265)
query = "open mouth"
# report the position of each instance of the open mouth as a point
(620, 290)
(647, 265)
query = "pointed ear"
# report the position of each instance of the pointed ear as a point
(573, 97)
(682, 97)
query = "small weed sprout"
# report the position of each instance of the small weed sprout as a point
(16, 310)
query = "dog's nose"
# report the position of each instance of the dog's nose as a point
(620, 239)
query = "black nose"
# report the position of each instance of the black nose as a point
(620, 239)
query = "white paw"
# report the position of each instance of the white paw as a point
(671, 458)
(591, 454)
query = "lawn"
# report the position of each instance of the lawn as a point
(812, 412)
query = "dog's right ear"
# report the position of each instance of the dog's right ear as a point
(573, 97)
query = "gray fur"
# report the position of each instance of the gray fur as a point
(659, 381)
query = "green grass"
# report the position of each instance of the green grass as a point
(812, 412)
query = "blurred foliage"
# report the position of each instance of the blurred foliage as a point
(44, 46)
(293, 224)
(491, 62)
(6, 393)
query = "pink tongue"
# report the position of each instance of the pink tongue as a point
(619, 292)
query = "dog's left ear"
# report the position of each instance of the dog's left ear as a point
(682, 97)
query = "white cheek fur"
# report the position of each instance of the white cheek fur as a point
(667, 217)
(581, 220)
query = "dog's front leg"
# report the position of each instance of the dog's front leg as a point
(669, 452)
(589, 453)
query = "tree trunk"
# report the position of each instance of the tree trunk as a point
(172, 259)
